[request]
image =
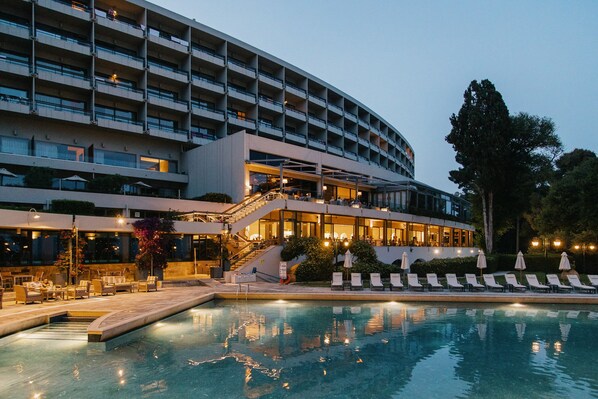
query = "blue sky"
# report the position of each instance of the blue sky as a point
(411, 61)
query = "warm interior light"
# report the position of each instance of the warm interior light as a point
(285, 181)
(114, 78)
(326, 243)
(120, 220)
(324, 188)
(346, 243)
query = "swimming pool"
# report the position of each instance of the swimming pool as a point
(287, 349)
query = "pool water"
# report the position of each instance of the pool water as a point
(285, 349)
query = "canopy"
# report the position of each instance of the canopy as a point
(405, 262)
(564, 264)
(520, 262)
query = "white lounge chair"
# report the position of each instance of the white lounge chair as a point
(555, 283)
(491, 284)
(513, 284)
(472, 282)
(413, 282)
(395, 282)
(433, 283)
(337, 281)
(534, 284)
(356, 283)
(375, 282)
(578, 286)
(593, 280)
(453, 283)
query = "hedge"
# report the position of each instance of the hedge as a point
(72, 207)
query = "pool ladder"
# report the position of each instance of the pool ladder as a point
(239, 288)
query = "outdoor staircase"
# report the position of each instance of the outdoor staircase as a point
(247, 258)
(64, 329)
(250, 205)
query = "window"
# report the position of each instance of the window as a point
(116, 114)
(9, 93)
(13, 145)
(204, 132)
(60, 103)
(15, 58)
(162, 124)
(61, 69)
(157, 164)
(115, 158)
(160, 93)
(59, 151)
(203, 104)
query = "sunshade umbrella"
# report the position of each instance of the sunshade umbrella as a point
(73, 178)
(520, 329)
(520, 263)
(481, 264)
(5, 172)
(405, 262)
(142, 184)
(482, 328)
(564, 265)
(348, 263)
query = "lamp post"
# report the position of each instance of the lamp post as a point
(336, 245)
(545, 244)
(584, 247)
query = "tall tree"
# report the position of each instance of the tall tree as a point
(480, 133)
(154, 235)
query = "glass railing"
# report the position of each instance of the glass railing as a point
(240, 64)
(15, 99)
(239, 90)
(167, 36)
(14, 61)
(14, 24)
(104, 82)
(334, 127)
(317, 140)
(234, 115)
(167, 67)
(60, 107)
(317, 119)
(294, 134)
(350, 114)
(335, 147)
(63, 37)
(351, 154)
(206, 108)
(296, 111)
(207, 80)
(292, 86)
(206, 136)
(271, 101)
(270, 76)
(118, 19)
(119, 53)
(166, 97)
(116, 118)
(207, 51)
(75, 5)
(335, 107)
(166, 129)
(60, 71)
(351, 136)
(269, 125)
(315, 96)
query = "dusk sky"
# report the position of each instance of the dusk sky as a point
(411, 61)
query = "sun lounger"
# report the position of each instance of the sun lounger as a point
(534, 284)
(356, 283)
(593, 280)
(491, 284)
(395, 282)
(513, 284)
(453, 283)
(433, 283)
(337, 281)
(413, 282)
(578, 286)
(555, 283)
(472, 282)
(375, 282)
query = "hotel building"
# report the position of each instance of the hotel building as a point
(174, 109)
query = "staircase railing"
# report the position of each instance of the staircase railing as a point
(252, 206)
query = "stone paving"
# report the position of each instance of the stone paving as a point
(117, 314)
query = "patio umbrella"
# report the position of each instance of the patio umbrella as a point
(520, 329)
(564, 265)
(5, 172)
(348, 263)
(482, 328)
(481, 264)
(141, 184)
(520, 264)
(405, 262)
(74, 178)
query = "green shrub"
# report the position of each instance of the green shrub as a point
(297, 246)
(39, 177)
(73, 207)
(460, 266)
(215, 197)
(363, 251)
(109, 184)
(365, 268)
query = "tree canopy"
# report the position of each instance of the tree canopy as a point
(154, 235)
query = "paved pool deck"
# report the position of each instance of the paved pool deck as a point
(118, 314)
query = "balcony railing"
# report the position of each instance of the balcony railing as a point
(206, 136)
(207, 80)
(116, 118)
(269, 125)
(119, 20)
(242, 91)
(292, 86)
(234, 115)
(64, 72)
(15, 99)
(167, 67)
(241, 64)
(270, 76)
(119, 53)
(13, 61)
(63, 37)
(335, 107)
(14, 24)
(152, 126)
(75, 5)
(103, 81)
(206, 108)
(207, 51)
(166, 98)
(271, 101)
(60, 107)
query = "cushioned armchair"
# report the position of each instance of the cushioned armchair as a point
(79, 291)
(22, 294)
(150, 284)
(101, 288)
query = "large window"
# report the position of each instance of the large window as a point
(60, 103)
(59, 151)
(61, 69)
(157, 164)
(115, 158)
(14, 145)
(162, 124)
(116, 114)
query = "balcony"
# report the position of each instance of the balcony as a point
(363, 142)
(334, 149)
(351, 136)
(116, 90)
(297, 91)
(208, 55)
(384, 153)
(62, 77)
(118, 25)
(383, 136)
(272, 105)
(168, 72)
(334, 129)
(167, 102)
(241, 68)
(363, 159)
(315, 121)
(295, 138)
(364, 124)
(351, 155)
(207, 112)
(268, 129)
(207, 84)
(316, 143)
(167, 40)
(62, 113)
(350, 116)
(118, 57)
(168, 133)
(317, 100)
(14, 67)
(73, 9)
(118, 123)
(63, 42)
(374, 148)
(299, 115)
(336, 109)
(16, 29)
(241, 95)
(202, 138)
(241, 121)
(15, 104)
(270, 80)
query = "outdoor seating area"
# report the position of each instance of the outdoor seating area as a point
(432, 283)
